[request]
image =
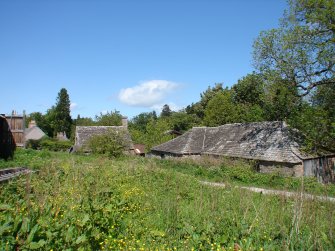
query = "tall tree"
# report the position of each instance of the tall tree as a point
(63, 121)
(166, 111)
(302, 50)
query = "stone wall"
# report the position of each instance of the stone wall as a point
(286, 169)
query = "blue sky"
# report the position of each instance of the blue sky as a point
(132, 55)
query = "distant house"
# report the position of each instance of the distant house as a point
(33, 132)
(84, 133)
(274, 145)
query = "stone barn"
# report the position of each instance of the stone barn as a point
(274, 146)
(84, 133)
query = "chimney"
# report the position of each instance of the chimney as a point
(125, 121)
(32, 124)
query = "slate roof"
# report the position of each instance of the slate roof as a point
(269, 141)
(34, 133)
(83, 134)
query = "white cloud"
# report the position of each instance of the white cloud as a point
(147, 94)
(73, 106)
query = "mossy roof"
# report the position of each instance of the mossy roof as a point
(269, 141)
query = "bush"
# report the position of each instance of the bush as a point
(49, 144)
(113, 143)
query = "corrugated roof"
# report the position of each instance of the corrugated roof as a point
(270, 141)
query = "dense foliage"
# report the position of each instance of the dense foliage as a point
(108, 119)
(50, 144)
(302, 50)
(112, 143)
(92, 203)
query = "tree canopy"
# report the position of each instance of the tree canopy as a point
(302, 49)
(199, 107)
(112, 118)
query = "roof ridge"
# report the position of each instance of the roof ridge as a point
(187, 145)
(283, 123)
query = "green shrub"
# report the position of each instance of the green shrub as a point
(35, 143)
(56, 145)
(113, 143)
(49, 144)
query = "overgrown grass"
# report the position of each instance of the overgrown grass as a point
(32, 159)
(94, 203)
(239, 172)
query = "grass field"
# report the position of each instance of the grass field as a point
(78, 202)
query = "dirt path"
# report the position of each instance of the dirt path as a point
(275, 192)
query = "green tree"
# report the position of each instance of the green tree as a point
(281, 100)
(36, 116)
(49, 122)
(221, 110)
(319, 121)
(166, 111)
(140, 121)
(109, 119)
(318, 129)
(156, 133)
(302, 50)
(249, 90)
(181, 121)
(62, 120)
(43, 121)
(325, 99)
(83, 121)
(199, 108)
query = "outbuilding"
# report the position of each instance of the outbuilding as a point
(84, 133)
(274, 145)
(33, 132)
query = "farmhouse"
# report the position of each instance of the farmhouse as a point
(84, 133)
(274, 146)
(33, 132)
